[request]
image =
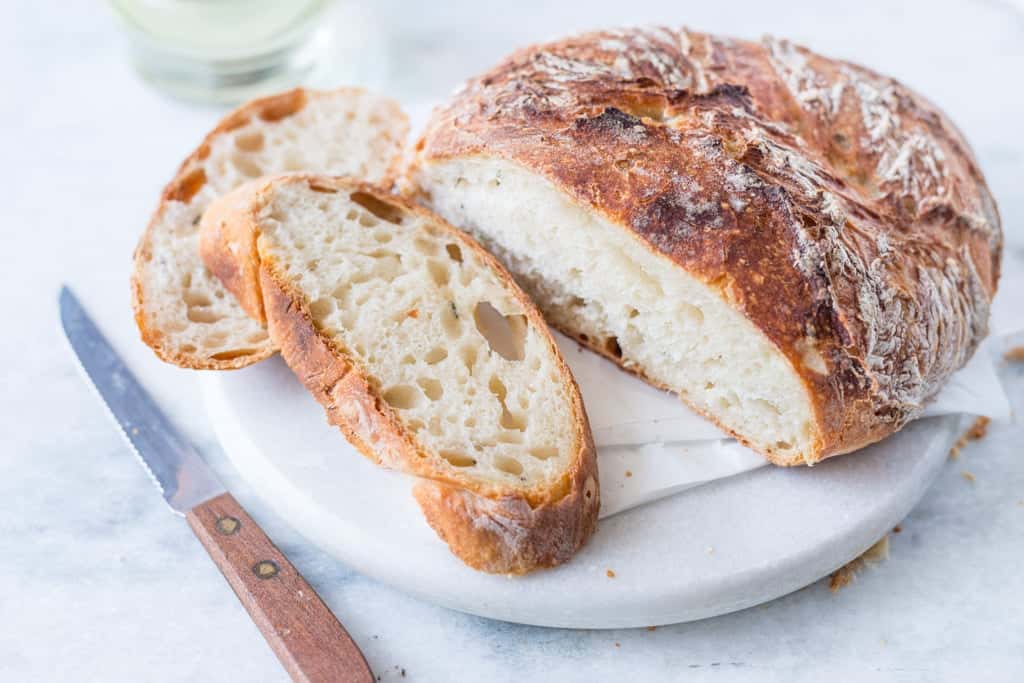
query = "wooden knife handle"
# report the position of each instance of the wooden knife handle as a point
(299, 627)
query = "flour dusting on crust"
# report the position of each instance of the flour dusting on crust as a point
(841, 211)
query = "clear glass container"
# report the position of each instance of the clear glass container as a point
(224, 50)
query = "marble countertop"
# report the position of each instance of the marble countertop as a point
(98, 582)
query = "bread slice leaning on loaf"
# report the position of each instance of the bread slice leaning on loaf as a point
(424, 352)
(803, 250)
(182, 311)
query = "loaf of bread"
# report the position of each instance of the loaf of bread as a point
(425, 353)
(182, 311)
(802, 249)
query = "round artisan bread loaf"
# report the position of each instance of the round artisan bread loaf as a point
(804, 250)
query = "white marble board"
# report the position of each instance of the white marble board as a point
(717, 548)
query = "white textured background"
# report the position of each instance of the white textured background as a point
(99, 583)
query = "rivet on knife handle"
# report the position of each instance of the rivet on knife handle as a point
(301, 630)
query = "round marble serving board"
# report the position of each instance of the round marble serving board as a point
(717, 548)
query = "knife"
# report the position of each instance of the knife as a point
(300, 629)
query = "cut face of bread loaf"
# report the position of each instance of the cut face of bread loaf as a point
(182, 311)
(802, 249)
(602, 286)
(421, 348)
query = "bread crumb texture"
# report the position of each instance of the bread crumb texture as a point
(469, 394)
(183, 311)
(468, 376)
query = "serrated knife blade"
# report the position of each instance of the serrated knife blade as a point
(172, 462)
(301, 630)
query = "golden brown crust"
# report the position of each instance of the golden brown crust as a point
(494, 528)
(188, 180)
(227, 246)
(506, 535)
(838, 211)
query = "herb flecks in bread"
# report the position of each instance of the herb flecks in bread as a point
(182, 311)
(802, 249)
(425, 353)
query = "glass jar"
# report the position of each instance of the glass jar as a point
(224, 50)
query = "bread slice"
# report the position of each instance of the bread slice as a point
(182, 311)
(424, 352)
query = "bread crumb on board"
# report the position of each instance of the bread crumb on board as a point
(843, 577)
(609, 573)
(968, 476)
(1015, 355)
(977, 430)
